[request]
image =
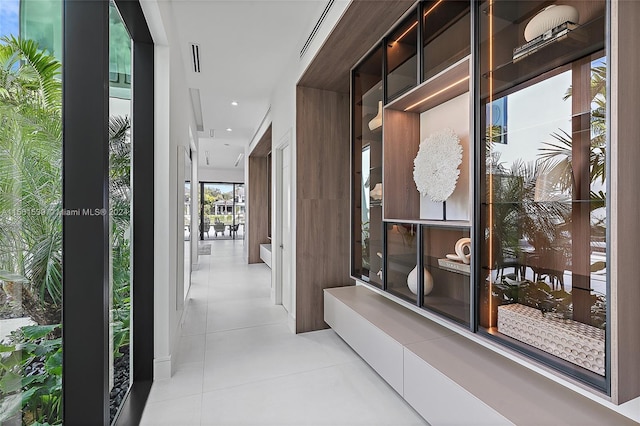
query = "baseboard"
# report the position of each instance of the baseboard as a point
(291, 322)
(162, 368)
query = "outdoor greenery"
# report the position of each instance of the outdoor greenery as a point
(31, 376)
(120, 202)
(519, 214)
(31, 231)
(31, 179)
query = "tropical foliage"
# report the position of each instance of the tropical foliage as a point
(31, 231)
(31, 376)
(30, 179)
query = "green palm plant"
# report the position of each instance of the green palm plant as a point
(561, 147)
(30, 175)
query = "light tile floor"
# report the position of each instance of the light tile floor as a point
(238, 363)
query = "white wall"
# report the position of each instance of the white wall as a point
(206, 174)
(173, 119)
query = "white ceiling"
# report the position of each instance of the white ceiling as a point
(244, 46)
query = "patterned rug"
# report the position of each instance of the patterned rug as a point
(204, 249)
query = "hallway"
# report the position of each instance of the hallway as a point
(238, 363)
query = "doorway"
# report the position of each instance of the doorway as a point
(222, 211)
(284, 289)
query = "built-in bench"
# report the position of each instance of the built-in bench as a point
(448, 378)
(265, 254)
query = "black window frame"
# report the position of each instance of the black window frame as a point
(85, 237)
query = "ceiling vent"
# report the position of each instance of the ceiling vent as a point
(315, 29)
(195, 57)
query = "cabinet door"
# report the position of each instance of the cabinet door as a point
(543, 283)
(367, 100)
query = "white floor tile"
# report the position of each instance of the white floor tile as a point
(186, 381)
(347, 394)
(234, 314)
(239, 364)
(175, 412)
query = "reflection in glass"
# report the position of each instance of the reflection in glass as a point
(30, 222)
(446, 288)
(186, 207)
(402, 62)
(544, 277)
(367, 166)
(120, 235)
(402, 256)
(446, 34)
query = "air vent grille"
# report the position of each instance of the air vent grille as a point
(195, 57)
(315, 29)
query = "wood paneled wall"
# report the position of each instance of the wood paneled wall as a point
(323, 201)
(361, 26)
(625, 203)
(258, 197)
(401, 144)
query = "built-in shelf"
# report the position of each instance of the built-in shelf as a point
(580, 42)
(444, 86)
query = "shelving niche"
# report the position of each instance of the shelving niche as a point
(438, 103)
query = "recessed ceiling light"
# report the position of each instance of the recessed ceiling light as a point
(226, 144)
(229, 129)
(234, 103)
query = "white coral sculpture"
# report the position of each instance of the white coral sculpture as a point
(435, 168)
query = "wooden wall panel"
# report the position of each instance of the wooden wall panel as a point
(257, 217)
(401, 138)
(361, 26)
(323, 201)
(625, 203)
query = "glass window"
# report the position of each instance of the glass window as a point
(30, 219)
(446, 34)
(447, 268)
(223, 207)
(120, 230)
(402, 58)
(401, 271)
(367, 167)
(544, 278)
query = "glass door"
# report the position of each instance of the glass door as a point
(543, 101)
(223, 211)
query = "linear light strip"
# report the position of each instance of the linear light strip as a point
(416, 23)
(462, 80)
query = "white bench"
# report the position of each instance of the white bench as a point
(448, 378)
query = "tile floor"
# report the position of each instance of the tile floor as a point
(239, 364)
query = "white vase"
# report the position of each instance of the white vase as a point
(412, 281)
(376, 122)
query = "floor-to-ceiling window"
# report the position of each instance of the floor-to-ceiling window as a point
(66, 212)
(222, 208)
(31, 264)
(121, 204)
